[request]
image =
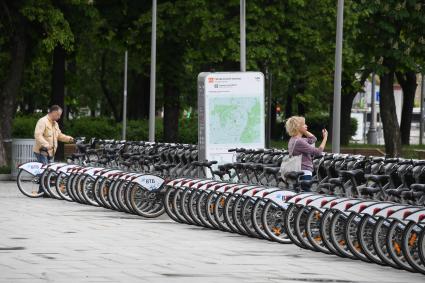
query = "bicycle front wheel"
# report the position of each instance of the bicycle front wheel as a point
(29, 184)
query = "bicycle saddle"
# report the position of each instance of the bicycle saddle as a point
(418, 187)
(294, 174)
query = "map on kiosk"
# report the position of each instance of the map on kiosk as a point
(234, 120)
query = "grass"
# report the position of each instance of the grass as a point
(5, 170)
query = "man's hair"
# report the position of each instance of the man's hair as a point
(55, 108)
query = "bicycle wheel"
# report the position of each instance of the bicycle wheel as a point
(257, 212)
(177, 204)
(61, 181)
(351, 232)
(28, 184)
(380, 233)
(394, 245)
(273, 222)
(236, 213)
(313, 230)
(120, 196)
(168, 203)
(228, 213)
(211, 198)
(97, 188)
(422, 246)
(365, 237)
(289, 221)
(219, 212)
(69, 187)
(111, 192)
(88, 191)
(103, 194)
(410, 246)
(79, 188)
(185, 202)
(338, 236)
(51, 184)
(193, 213)
(201, 209)
(146, 203)
(325, 232)
(301, 226)
(246, 217)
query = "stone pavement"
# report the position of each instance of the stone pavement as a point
(46, 240)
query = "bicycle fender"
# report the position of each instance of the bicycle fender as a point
(417, 217)
(34, 168)
(377, 207)
(149, 182)
(280, 197)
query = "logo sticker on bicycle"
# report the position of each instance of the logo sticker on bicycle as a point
(149, 182)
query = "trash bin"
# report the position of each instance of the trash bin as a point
(21, 152)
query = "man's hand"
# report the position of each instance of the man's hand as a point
(71, 140)
(47, 147)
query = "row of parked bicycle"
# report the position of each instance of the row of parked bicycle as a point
(386, 233)
(369, 208)
(387, 179)
(136, 193)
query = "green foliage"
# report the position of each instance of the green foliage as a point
(139, 130)
(5, 170)
(102, 128)
(188, 130)
(23, 126)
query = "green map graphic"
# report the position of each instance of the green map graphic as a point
(234, 120)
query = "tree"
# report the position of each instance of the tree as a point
(391, 38)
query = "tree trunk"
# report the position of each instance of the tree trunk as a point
(105, 89)
(388, 113)
(139, 98)
(171, 113)
(58, 90)
(274, 130)
(288, 105)
(346, 105)
(11, 87)
(408, 84)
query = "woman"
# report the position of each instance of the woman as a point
(302, 143)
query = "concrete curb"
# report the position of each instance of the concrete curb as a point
(5, 177)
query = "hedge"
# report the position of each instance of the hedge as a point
(104, 128)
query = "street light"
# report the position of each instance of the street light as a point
(372, 135)
(124, 112)
(243, 36)
(336, 124)
(421, 133)
(153, 76)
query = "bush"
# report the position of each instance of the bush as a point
(138, 130)
(5, 170)
(23, 127)
(188, 130)
(88, 127)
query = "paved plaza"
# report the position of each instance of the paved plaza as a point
(46, 240)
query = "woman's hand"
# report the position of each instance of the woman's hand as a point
(325, 134)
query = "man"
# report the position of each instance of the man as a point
(47, 134)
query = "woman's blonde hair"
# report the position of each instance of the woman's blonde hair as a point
(293, 124)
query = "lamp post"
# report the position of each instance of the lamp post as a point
(421, 133)
(336, 124)
(124, 112)
(372, 135)
(243, 36)
(153, 76)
